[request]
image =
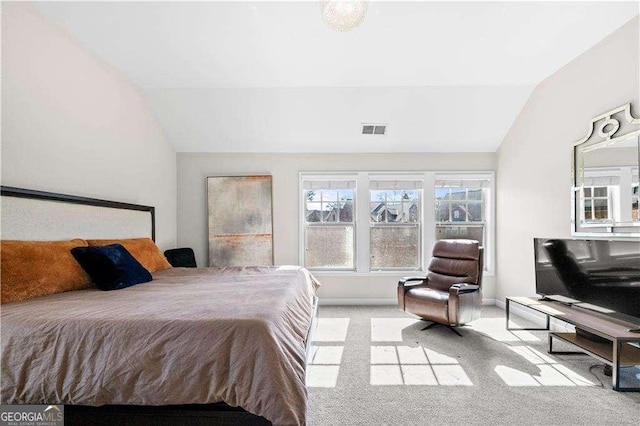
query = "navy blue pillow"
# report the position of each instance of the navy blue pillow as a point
(111, 267)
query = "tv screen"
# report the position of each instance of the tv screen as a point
(602, 273)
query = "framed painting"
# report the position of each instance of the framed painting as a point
(240, 220)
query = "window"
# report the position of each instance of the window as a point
(384, 222)
(634, 203)
(608, 197)
(395, 224)
(460, 208)
(635, 214)
(596, 204)
(329, 231)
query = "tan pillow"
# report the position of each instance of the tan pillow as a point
(143, 249)
(30, 269)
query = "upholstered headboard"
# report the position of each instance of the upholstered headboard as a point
(37, 215)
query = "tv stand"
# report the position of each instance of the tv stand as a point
(558, 298)
(615, 342)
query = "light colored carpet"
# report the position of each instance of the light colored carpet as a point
(374, 366)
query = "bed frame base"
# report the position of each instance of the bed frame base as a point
(219, 414)
(186, 415)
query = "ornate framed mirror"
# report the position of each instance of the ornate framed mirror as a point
(604, 177)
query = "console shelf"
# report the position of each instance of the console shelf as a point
(629, 355)
(618, 346)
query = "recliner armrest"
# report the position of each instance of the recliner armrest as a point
(462, 288)
(405, 280)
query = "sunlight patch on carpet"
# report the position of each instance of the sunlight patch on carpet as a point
(322, 376)
(495, 329)
(513, 377)
(418, 375)
(384, 355)
(332, 330)
(331, 355)
(438, 358)
(324, 368)
(407, 365)
(389, 329)
(551, 373)
(451, 375)
(409, 355)
(386, 375)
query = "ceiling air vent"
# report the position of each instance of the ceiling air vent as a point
(374, 129)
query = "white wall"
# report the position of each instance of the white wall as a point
(192, 220)
(534, 160)
(73, 124)
(327, 119)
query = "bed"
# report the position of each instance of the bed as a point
(197, 339)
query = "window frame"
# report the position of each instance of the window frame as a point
(583, 207)
(635, 199)
(304, 223)
(427, 221)
(488, 194)
(419, 224)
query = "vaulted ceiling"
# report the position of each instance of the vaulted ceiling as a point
(271, 77)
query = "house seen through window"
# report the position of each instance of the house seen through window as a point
(460, 209)
(329, 224)
(635, 216)
(596, 204)
(395, 224)
(371, 222)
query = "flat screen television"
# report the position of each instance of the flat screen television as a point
(603, 275)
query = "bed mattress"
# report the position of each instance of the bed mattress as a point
(190, 336)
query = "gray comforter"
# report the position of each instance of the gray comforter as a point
(190, 336)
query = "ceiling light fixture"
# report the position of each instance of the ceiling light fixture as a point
(343, 15)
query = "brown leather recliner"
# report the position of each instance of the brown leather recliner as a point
(451, 293)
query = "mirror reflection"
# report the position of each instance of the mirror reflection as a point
(610, 181)
(606, 191)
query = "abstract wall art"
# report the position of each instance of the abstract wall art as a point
(240, 220)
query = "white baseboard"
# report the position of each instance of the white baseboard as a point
(517, 310)
(500, 303)
(535, 317)
(342, 302)
(378, 302)
(522, 312)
